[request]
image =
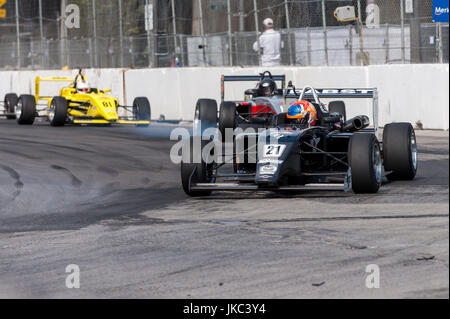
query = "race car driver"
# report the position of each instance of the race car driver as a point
(83, 87)
(267, 87)
(302, 113)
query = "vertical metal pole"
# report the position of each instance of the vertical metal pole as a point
(415, 34)
(121, 33)
(174, 23)
(350, 43)
(361, 39)
(41, 29)
(202, 31)
(402, 25)
(64, 51)
(255, 7)
(387, 44)
(241, 16)
(94, 20)
(288, 25)
(436, 42)
(308, 44)
(18, 34)
(441, 44)
(230, 33)
(149, 41)
(325, 36)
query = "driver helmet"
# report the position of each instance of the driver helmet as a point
(267, 87)
(83, 86)
(302, 112)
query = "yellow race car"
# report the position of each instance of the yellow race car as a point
(79, 104)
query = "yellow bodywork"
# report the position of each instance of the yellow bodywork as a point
(94, 107)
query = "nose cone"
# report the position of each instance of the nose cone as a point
(108, 109)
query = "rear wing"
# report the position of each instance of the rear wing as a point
(47, 79)
(371, 93)
(249, 78)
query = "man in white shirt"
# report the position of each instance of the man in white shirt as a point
(270, 45)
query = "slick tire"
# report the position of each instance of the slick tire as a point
(58, 111)
(365, 163)
(11, 100)
(400, 151)
(194, 169)
(26, 110)
(227, 118)
(142, 110)
(205, 116)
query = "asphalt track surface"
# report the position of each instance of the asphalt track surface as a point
(109, 200)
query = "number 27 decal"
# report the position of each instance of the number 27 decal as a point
(274, 150)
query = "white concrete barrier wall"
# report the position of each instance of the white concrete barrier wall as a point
(408, 93)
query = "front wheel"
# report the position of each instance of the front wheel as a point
(366, 163)
(205, 116)
(57, 113)
(142, 110)
(227, 118)
(400, 151)
(195, 166)
(26, 110)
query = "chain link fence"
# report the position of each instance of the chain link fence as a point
(43, 34)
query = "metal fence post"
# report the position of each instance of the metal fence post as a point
(325, 36)
(361, 32)
(64, 51)
(441, 45)
(41, 30)
(288, 25)
(202, 31)
(350, 43)
(95, 34)
(255, 7)
(388, 45)
(174, 23)
(18, 34)
(149, 41)
(230, 33)
(121, 33)
(241, 16)
(308, 45)
(402, 25)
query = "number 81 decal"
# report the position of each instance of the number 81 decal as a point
(274, 150)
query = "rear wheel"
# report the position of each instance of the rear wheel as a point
(11, 100)
(227, 118)
(194, 168)
(366, 163)
(26, 110)
(57, 114)
(338, 107)
(400, 151)
(142, 110)
(205, 116)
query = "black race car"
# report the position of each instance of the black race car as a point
(335, 154)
